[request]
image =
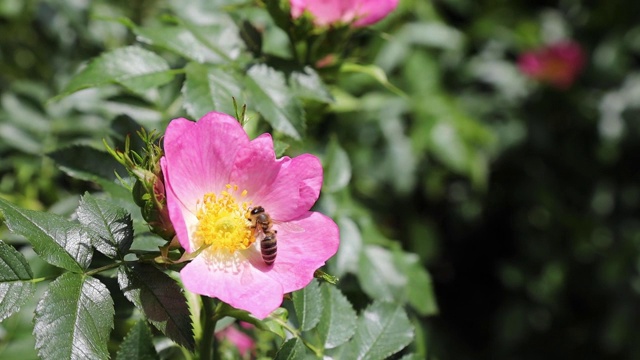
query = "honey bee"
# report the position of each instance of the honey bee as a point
(262, 225)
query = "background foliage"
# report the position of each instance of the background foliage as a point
(521, 200)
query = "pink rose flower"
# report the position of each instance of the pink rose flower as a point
(214, 174)
(243, 342)
(557, 64)
(358, 13)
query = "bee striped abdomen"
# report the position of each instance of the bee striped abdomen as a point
(269, 247)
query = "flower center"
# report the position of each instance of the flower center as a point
(222, 223)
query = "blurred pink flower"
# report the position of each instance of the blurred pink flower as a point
(558, 64)
(359, 13)
(213, 174)
(243, 342)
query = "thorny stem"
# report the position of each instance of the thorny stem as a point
(294, 49)
(103, 268)
(210, 318)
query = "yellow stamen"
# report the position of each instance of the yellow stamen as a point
(222, 223)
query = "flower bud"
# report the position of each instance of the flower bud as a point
(149, 193)
(357, 13)
(557, 64)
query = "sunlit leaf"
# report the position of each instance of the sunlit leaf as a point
(378, 275)
(209, 88)
(269, 94)
(375, 72)
(337, 167)
(220, 34)
(292, 349)
(400, 160)
(138, 344)
(109, 225)
(307, 84)
(57, 241)
(176, 39)
(308, 305)
(160, 298)
(279, 147)
(448, 146)
(275, 322)
(73, 319)
(132, 67)
(383, 330)
(346, 259)
(15, 285)
(338, 321)
(16, 137)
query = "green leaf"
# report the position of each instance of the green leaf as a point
(89, 164)
(280, 13)
(419, 289)
(308, 305)
(292, 349)
(57, 241)
(307, 84)
(109, 225)
(132, 67)
(138, 344)
(220, 34)
(252, 38)
(337, 167)
(375, 72)
(346, 259)
(338, 322)
(18, 138)
(209, 88)
(279, 147)
(448, 146)
(269, 94)
(160, 298)
(73, 319)
(378, 275)
(15, 285)
(178, 40)
(383, 330)
(275, 322)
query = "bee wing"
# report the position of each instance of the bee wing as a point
(289, 227)
(258, 234)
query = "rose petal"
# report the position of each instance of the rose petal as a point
(176, 211)
(286, 187)
(243, 342)
(300, 254)
(297, 8)
(372, 11)
(248, 288)
(325, 12)
(295, 189)
(200, 155)
(255, 167)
